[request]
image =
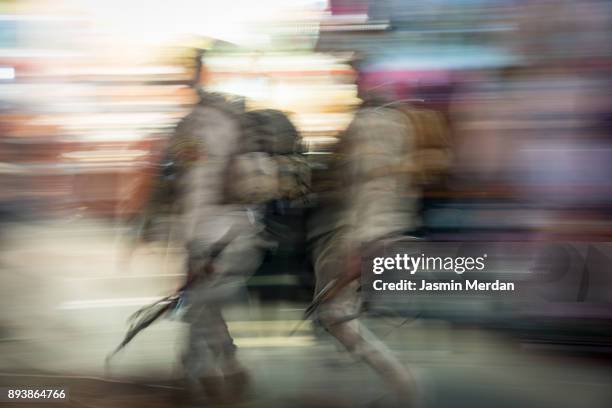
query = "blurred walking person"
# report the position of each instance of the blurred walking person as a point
(229, 164)
(373, 201)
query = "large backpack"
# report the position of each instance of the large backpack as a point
(431, 156)
(424, 164)
(266, 164)
(265, 131)
(269, 131)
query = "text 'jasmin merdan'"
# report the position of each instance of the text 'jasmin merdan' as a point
(469, 285)
(412, 264)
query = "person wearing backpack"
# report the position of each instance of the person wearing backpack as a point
(387, 154)
(229, 164)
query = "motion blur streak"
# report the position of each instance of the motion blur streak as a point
(508, 104)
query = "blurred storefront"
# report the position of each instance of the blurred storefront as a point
(88, 97)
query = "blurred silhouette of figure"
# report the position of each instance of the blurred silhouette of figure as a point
(228, 163)
(373, 199)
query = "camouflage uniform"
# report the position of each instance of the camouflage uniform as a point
(226, 177)
(364, 211)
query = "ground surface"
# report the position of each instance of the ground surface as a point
(67, 288)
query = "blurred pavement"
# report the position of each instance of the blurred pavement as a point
(67, 290)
